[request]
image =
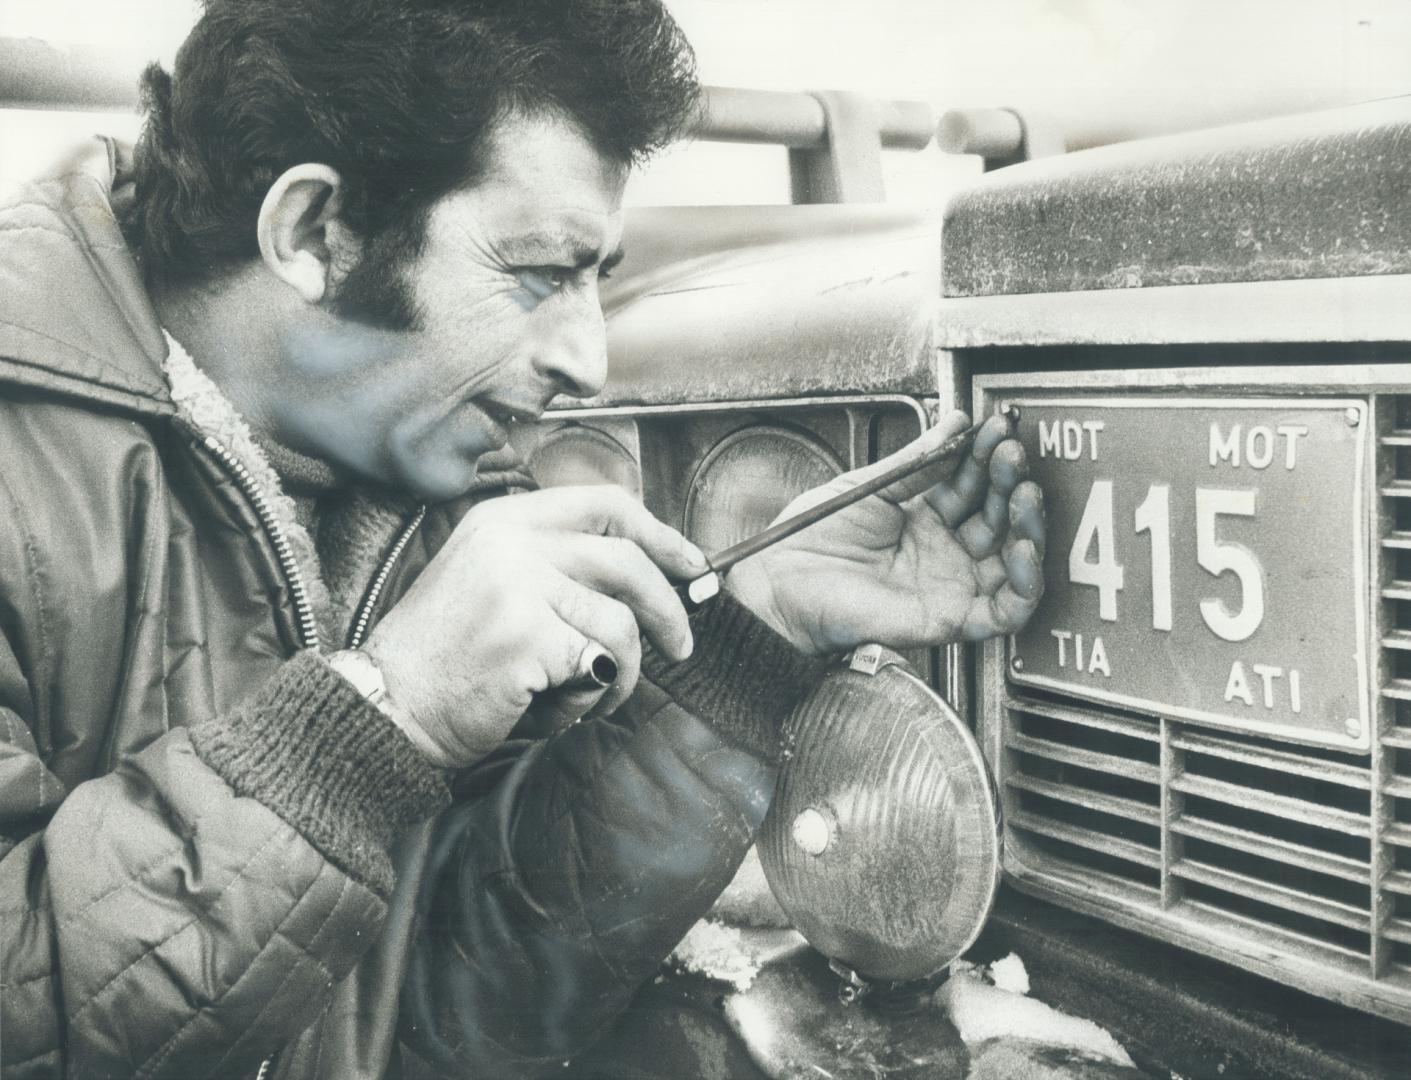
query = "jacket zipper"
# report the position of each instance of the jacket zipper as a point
(379, 582)
(288, 565)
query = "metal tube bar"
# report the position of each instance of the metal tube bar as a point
(796, 120)
(991, 133)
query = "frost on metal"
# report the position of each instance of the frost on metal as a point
(1327, 195)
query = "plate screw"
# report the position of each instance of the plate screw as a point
(1010, 410)
(1354, 417)
(1353, 726)
(1017, 663)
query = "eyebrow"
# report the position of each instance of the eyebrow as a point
(549, 248)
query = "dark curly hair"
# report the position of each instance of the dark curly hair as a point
(397, 95)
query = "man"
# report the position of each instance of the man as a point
(268, 644)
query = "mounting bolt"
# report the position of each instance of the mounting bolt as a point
(1352, 726)
(1017, 663)
(1354, 416)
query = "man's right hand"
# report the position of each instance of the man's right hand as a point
(506, 608)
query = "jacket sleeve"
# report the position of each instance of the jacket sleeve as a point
(188, 913)
(546, 902)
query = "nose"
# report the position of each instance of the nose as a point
(573, 354)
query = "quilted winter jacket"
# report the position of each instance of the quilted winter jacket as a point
(213, 853)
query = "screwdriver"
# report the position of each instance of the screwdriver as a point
(698, 590)
(596, 667)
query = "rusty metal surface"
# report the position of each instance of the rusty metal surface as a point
(728, 303)
(1352, 309)
(1324, 195)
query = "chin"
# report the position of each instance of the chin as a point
(449, 481)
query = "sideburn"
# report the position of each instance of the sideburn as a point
(377, 292)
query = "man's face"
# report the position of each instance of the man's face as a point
(505, 293)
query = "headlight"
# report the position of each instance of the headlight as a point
(573, 454)
(748, 477)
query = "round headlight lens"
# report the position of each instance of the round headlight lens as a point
(574, 454)
(883, 840)
(748, 477)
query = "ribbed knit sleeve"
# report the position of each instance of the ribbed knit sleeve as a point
(313, 750)
(742, 678)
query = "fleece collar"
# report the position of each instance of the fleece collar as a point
(200, 402)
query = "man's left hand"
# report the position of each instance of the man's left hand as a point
(954, 552)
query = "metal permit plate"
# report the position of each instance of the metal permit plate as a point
(1207, 560)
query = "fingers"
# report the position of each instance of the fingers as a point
(1026, 517)
(983, 533)
(620, 569)
(601, 562)
(590, 618)
(1007, 609)
(601, 510)
(947, 427)
(1012, 583)
(959, 496)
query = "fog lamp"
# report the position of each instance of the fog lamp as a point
(883, 840)
(748, 477)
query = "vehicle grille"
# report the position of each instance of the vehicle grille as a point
(1293, 860)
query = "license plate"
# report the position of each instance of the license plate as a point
(1207, 560)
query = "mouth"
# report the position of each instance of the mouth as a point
(505, 415)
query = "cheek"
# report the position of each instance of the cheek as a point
(436, 458)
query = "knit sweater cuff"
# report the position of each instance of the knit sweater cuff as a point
(314, 751)
(742, 677)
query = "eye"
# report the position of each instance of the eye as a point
(543, 281)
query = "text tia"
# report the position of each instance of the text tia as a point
(1093, 660)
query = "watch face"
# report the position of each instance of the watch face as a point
(357, 667)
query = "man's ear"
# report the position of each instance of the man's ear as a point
(300, 235)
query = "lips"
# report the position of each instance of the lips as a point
(508, 413)
(504, 415)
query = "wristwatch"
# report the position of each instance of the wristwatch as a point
(360, 670)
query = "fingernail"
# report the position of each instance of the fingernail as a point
(696, 557)
(686, 646)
